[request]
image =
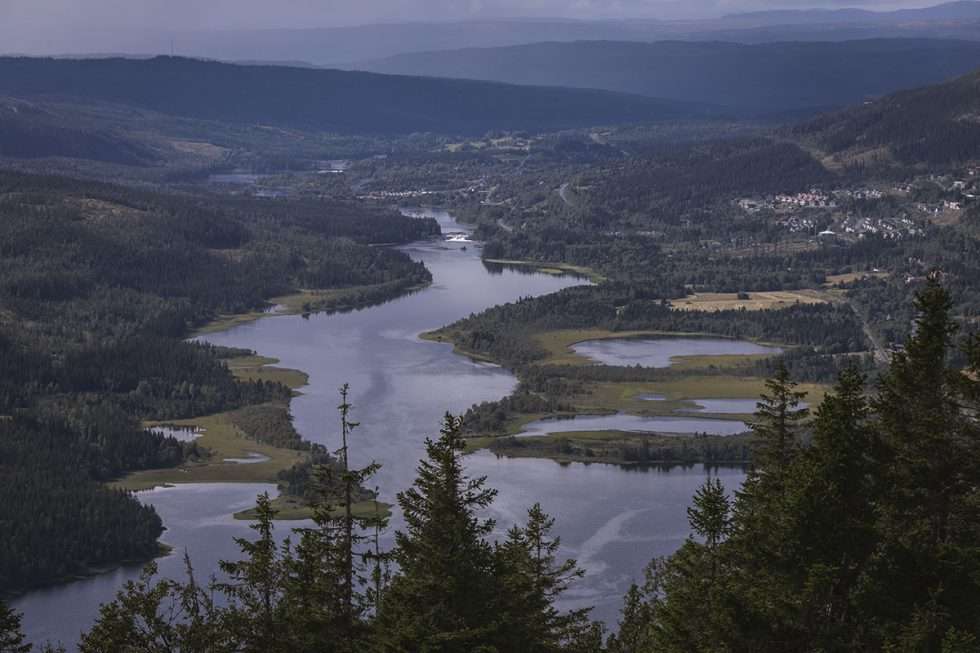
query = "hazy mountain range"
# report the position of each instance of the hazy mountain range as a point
(767, 78)
(347, 45)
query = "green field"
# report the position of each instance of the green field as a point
(223, 440)
(262, 368)
(292, 509)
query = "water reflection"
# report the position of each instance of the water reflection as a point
(612, 519)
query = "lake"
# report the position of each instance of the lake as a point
(659, 352)
(613, 519)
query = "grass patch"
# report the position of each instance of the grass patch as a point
(293, 509)
(223, 440)
(553, 268)
(627, 448)
(680, 397)
(447, 336)
(262, 368)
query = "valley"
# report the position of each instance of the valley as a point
(728, 342)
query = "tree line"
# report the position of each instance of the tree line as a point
(99, 286)
(856, 529)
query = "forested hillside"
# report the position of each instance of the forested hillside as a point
(770, 78)
(936, 125)
(326, 100)
(100, 284)
(855, 530)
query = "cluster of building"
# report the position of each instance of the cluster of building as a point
(812, 199)
(891, 228)
(798, 224)
(859, 193)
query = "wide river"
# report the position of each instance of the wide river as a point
(612, 519)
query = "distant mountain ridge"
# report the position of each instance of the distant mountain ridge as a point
(959, 10)
(763, 78)
(335, 46)
(327, 100)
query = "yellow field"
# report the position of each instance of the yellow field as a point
(835, 279)
(757, 301)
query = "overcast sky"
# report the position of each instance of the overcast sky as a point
(68, 25)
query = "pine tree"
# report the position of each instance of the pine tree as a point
(929, 510)
(443, 596)
(758, 555)
(778, 418)
(11, 636)
(531, 581)
(833, 508)
(685, 595)
(326, 574)
(159, 617)
(348, 479)
(710, 518)
(635, 634)
(257, 615)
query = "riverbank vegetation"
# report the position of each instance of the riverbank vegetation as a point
(535, 338)
(100, 284)
(855, 530)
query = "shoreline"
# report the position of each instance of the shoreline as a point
(91, 571)
(552, 268)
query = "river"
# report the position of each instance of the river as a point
(612, 519)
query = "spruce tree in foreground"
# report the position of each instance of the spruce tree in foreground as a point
(531, 580)
(927, 573)
(257, 616)
(11, 636)
(865, 539)
(443, 597)
(159, 617)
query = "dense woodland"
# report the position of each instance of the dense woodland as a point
(856, 530)
(334, 101)
(917, 127)
(100, 284)
(744, 78)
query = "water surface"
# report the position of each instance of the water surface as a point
(613, 519)
(659, 352)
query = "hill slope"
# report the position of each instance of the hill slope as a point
(937, 124)
(327, 100)
(769, 78)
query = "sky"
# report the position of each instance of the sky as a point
(56, 26)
